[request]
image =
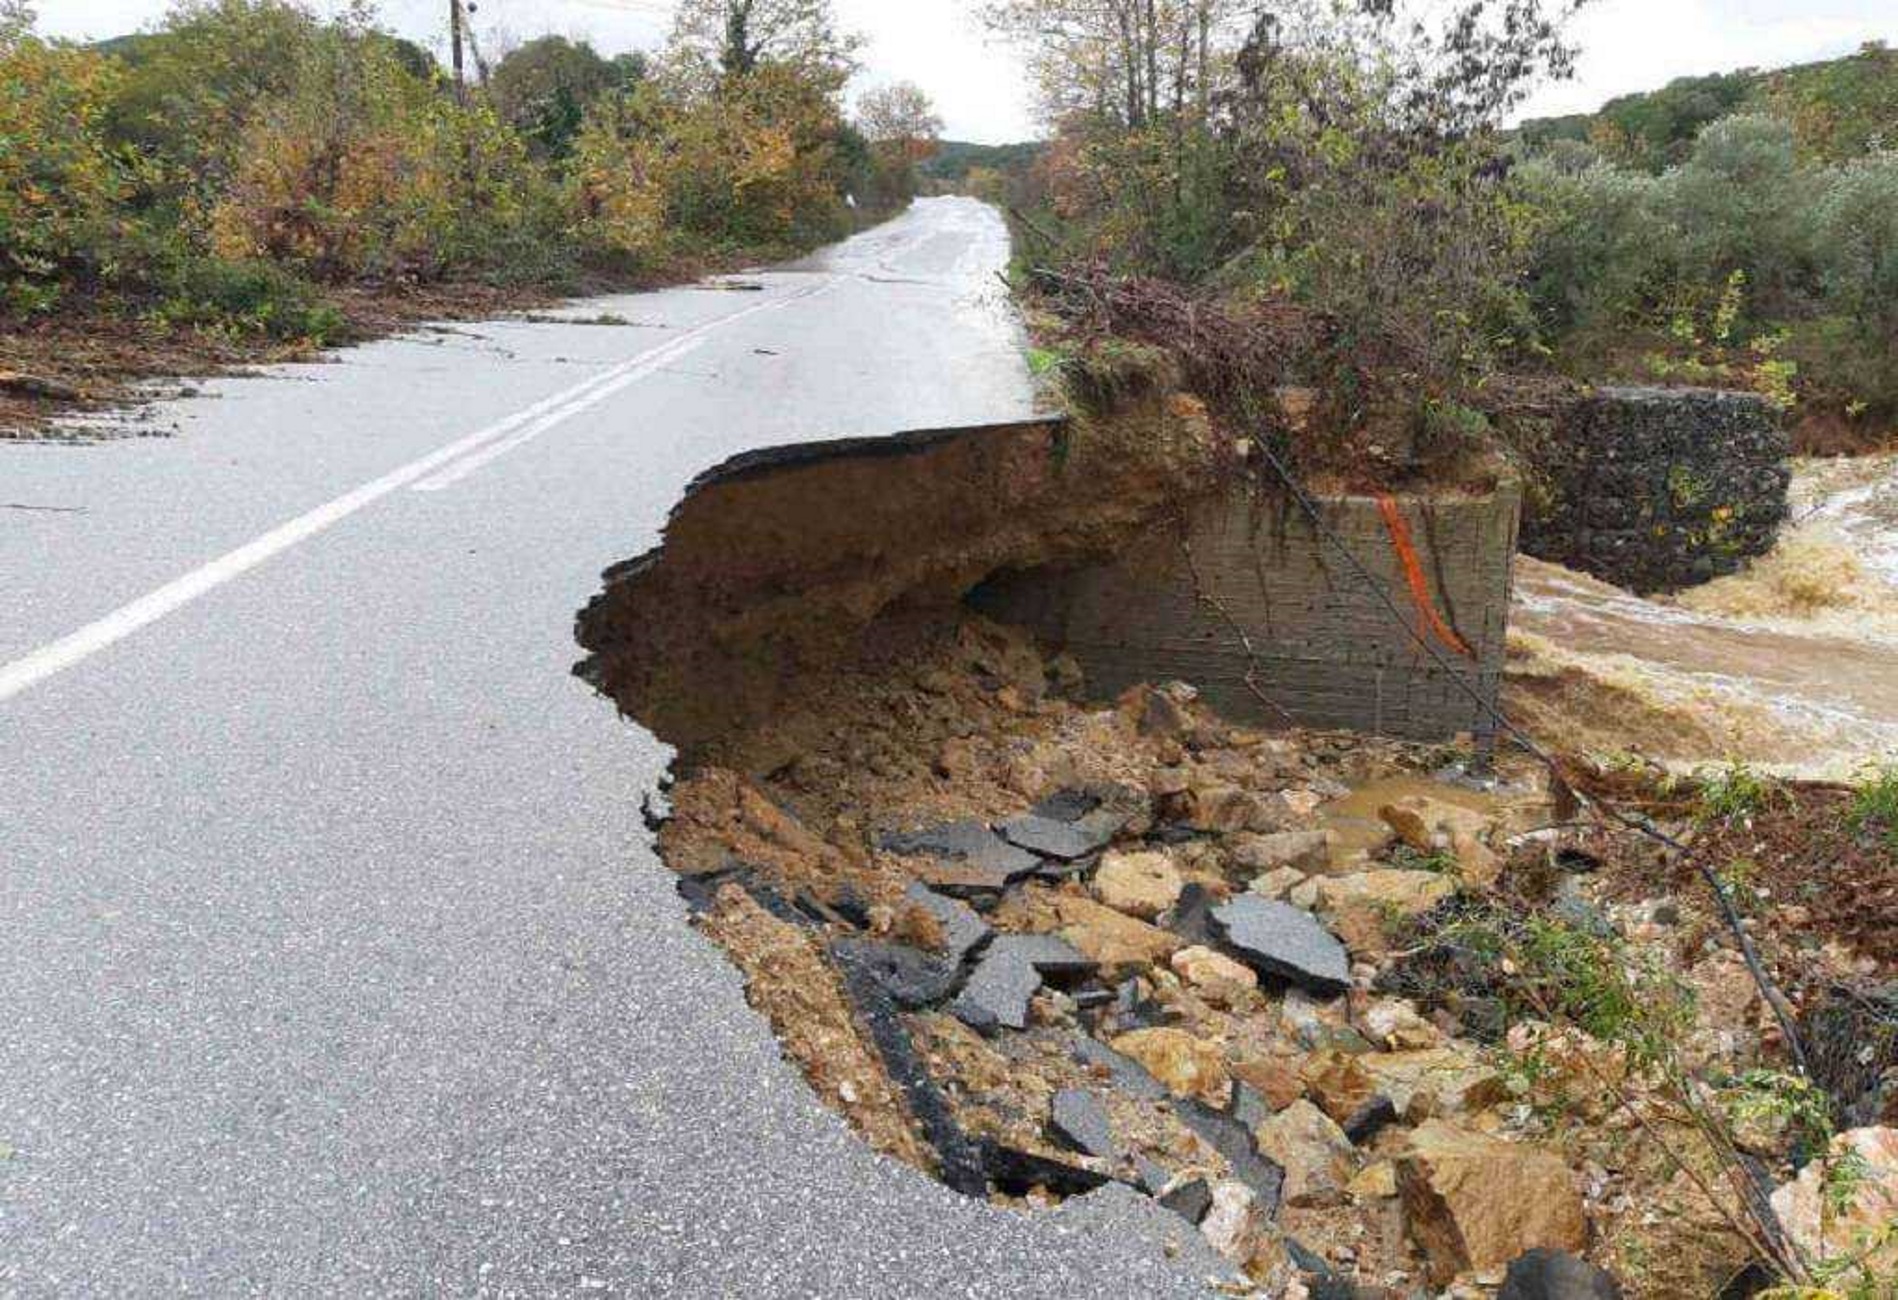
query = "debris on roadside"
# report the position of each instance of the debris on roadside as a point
(1329, 1008)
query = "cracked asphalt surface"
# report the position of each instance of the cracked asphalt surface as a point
(336, 956)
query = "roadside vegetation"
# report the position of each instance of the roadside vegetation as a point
(250, 175)
(1356, 168)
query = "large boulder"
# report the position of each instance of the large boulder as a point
(1474, 1203)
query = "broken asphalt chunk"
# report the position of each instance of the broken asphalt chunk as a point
(962, 930)
(1284, 942)
(1234, 1141)
(1060, 840)
(913, 979)
(966, 859)
(998, 993)
(1078, 1119)
(959, 1159)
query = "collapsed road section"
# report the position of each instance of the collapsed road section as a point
(1037, 917)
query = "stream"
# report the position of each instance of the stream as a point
(1790, 666)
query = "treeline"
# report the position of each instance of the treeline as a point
(1748, 263)
(218, 171)
(1839, 109)
(1348, 170)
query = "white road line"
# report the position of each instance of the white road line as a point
(49, 660)
(622, 376)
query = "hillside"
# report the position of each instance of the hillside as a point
(1842, 108)
(957, 158)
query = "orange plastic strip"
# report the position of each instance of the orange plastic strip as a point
(1414, 576)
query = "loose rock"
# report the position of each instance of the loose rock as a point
(1553, 1275)
(1317, 1156)
(1186, 1065)
(1218, 977)
(1475, 1202)
(1139, 884)
(1233, 1225)
(1305, 851)
(1848, 1225)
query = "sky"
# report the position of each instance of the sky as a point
(981, 90)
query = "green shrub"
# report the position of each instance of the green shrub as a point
(251, 296)
(61, 186)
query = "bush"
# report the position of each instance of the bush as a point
(362, 171)
(61, 187)
(1855, 243)
(1602, 252)
(251, 297)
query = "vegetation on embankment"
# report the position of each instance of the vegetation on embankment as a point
(1357, 172)
(251, 177)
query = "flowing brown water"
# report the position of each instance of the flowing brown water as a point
(1790, 665)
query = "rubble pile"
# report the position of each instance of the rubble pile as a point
(1036, 947)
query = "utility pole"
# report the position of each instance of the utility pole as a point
(454, 40)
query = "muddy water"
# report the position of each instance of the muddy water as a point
(1358, 830)
(1791, 665)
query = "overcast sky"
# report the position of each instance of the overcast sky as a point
(1628, 45)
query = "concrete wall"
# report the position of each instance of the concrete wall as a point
(1326, 650)
(1655, 489)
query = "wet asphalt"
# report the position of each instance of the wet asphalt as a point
(336, 957)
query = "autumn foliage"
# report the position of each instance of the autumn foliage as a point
(214, 170)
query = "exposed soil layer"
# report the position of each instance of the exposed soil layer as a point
(776, 565)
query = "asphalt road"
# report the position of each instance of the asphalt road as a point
(335, 956)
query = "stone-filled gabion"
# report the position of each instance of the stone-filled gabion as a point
(1655, 489)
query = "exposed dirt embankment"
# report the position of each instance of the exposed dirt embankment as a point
(778, 563)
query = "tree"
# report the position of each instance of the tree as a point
(900, 116)
(717, 39)
(543, 89)
(16, 20)
(1130, 61)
